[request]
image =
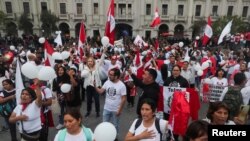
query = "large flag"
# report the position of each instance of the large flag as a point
(81, 41)
(157, 20)
(225, 31)
(110, 24)
(208, 32)
(18, 82)
(49, 61)
(58, 39)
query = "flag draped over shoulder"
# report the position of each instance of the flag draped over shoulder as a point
(208, 32)
(19, 82)
(49, 61)
(81, 41)
(110, 24)
(225, 31)
(157, 20)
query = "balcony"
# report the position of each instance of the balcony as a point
(124, 17)
(63, 16)
(180, 18)
(11, 15)
(198, 18)
(79, 17)
(165, 18)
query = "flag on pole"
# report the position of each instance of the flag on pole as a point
(110, 24)
(58, 39)
(208, 32)
(225, 31)
(19, 82)
(157, 20)
(49, 61)
(81, 41)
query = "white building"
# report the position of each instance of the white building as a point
(132, 16)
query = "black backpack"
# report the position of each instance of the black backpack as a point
(234, 100)
(157, 125)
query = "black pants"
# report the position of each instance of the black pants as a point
(12, 127)
(91, 93)
(166, 117)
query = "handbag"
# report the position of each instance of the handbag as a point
(34, 136)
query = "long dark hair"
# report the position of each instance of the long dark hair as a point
(164, 72)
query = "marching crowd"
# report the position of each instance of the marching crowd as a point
(121, 72)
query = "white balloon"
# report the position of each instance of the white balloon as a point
(46, 73)
(181, 44)
(197, 37)
(65, 88)
(65, 54)
(204, 65)
(105, 41)
(57, 56)
(105, 131)
(29, 70)
(199, 72)
(41, 40)
(12, 47)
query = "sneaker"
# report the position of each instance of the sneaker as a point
(87, 114)
(59, 126)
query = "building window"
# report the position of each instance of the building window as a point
(129, 9)
(230, 11)
(79, 8)
(164, 9)
(63, 8)
(96, 11)
(8, 7)
(198, 10)
(26, 7)
(148, 9)
(244, 12)
(122, 9)
(96, 33)
(148, 34)
(215, 10)
(44, 6)
(180, 10)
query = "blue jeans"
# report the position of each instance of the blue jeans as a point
(110, 116)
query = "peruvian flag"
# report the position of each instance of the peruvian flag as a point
(48, 54)
(156, 20)
(81, 41)
(110, 24)
(208, 32)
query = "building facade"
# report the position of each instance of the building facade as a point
(132, 16)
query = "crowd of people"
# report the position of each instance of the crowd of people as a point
(121, 73)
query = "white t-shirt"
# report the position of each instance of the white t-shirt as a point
(114, 93)
(219, 82)
(34, 121)
(141, 128)
(47, 95)
(79, 137)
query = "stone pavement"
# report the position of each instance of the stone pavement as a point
(127, 117)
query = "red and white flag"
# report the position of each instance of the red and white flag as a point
(49, 61)
(157, 19)
(81, 41)
(208, 32)
(110, 24)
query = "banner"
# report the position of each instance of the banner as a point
(210, 92)
(168, 96)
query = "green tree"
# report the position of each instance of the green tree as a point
(238, 25)
(198, 27)
(24, 23)
(3, 17)
(49, 22)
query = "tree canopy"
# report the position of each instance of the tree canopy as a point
(49, 22)
(24, 23)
